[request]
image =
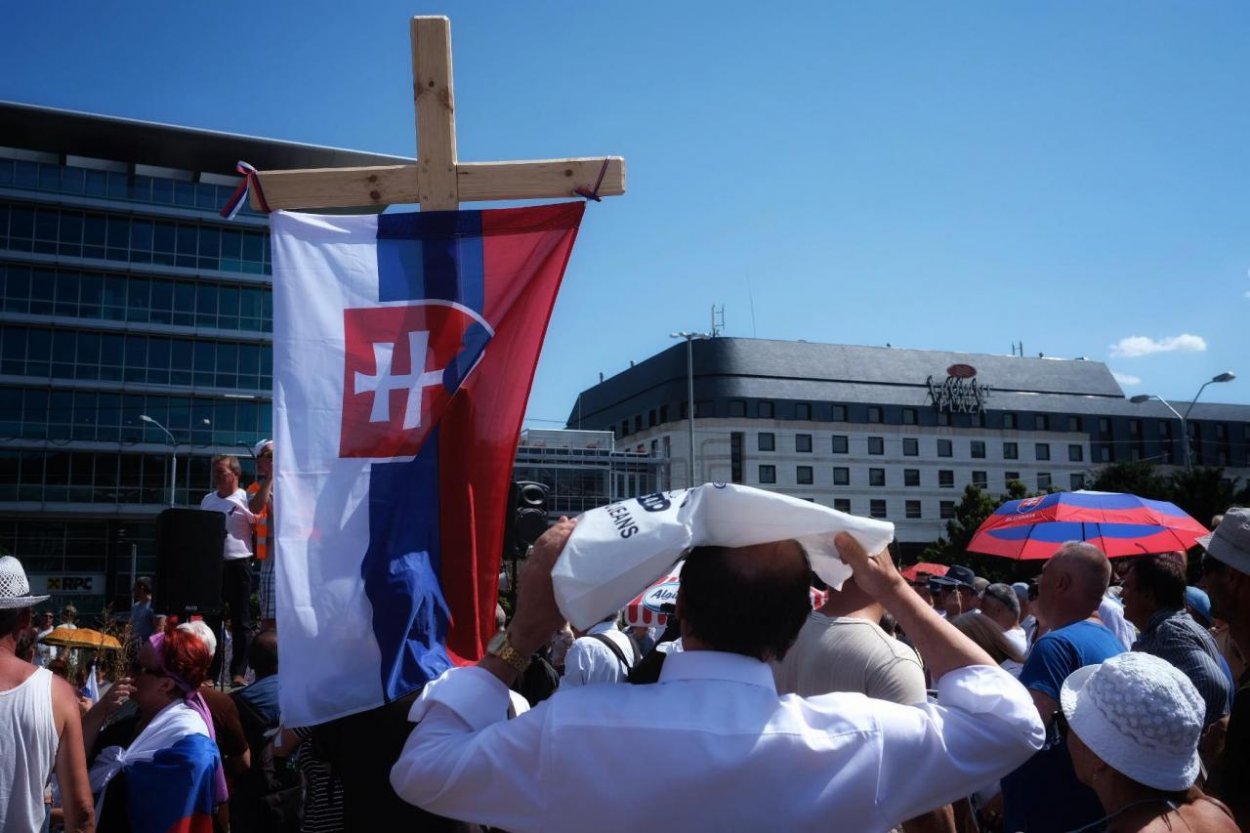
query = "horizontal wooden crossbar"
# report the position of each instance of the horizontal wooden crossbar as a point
(398, 184)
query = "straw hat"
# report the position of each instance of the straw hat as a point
(1139, 714)
(14, 588)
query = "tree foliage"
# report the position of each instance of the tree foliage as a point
(973, 508)
(1203, 492)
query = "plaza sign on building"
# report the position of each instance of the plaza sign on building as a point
(960, 392)
(67, 584)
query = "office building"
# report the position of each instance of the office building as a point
(893, 433)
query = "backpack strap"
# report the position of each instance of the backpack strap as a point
(620, 655)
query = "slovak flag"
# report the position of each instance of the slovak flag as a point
(404, 349)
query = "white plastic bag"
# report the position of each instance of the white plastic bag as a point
(618, 550)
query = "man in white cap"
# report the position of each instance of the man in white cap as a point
(260, 501)
(1226, 578)
(40, 726)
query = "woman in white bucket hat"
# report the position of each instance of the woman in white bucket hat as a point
(1133, 724)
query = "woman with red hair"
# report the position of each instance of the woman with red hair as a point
(170, 773)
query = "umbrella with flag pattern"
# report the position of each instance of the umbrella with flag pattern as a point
(1119, 524)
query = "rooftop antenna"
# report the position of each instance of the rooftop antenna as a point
(718, 314)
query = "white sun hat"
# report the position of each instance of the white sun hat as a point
(1139, 714)
(14, 588)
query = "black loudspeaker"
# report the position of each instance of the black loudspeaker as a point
(189, 544)
(527, 517)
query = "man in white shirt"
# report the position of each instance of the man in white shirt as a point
(236, 581)
(713, 734)
(592, 660)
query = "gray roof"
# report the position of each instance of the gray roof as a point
(129, 140)
(801, 371)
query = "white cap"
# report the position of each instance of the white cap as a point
(260, 446)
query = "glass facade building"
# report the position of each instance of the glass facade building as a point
(124, 295)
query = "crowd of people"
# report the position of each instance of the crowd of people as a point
(1098, 696)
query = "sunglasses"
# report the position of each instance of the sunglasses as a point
(138, 669)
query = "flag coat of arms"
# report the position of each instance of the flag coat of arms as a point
(404, 350)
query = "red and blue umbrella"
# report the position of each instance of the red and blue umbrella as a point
(1118, 524)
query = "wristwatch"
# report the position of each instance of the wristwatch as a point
(500, 646)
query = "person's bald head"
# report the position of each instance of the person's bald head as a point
(1073, 583)
(745, 600)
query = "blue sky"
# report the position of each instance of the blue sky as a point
(943, 176)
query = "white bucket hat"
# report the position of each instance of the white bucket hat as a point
(1139, 714)
(260, 446)
(14, 588)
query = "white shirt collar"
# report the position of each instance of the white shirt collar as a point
(717, 665)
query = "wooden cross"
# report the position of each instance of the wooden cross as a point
(439, 182)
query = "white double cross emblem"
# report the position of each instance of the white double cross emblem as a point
(384, 381)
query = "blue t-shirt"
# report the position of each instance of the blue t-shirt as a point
(1043, 794)
(263, 695)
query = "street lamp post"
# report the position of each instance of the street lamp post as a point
(1227, 376)
(173, 456)
(690, 338)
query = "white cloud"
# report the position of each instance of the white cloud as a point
(1135, 346)
(1125, 379)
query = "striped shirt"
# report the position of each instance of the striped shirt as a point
(1174, 636)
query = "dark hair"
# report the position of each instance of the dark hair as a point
(262, 654)
(1163, 576)
(746, 600)
(1004, 596)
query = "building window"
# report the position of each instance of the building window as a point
(838, 413)
(1041, 451)
(876, 477)
(637, 422)
(651, 423)
(1134, 427)
(1076, 454)
(910, 416)
(803, 410)
(1076, 481)
(737, 439)
(765, 410)
(876, 508)
(1010, 421)
(911, 477)
(943, 418)
(842, 504)
(768, 474)
(978, 449)
(1043, 481)
(1074, 423)
(841, 476)
(624, 427)
(840, 444)
(1042, 422)
(945, 448)
(911, 447)
(912, 509)
(980, 478)
(946, 478)
(737, 408)
(1011, 475)
(946, 510)
(1104, 454)
(803, 443)
(874, 413)
(663, 414)
(803, 475)
(1011, 451)
(876, 445)
(767, 441)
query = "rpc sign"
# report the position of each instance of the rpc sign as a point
(68, 584)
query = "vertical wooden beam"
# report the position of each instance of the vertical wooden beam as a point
(436, 114)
